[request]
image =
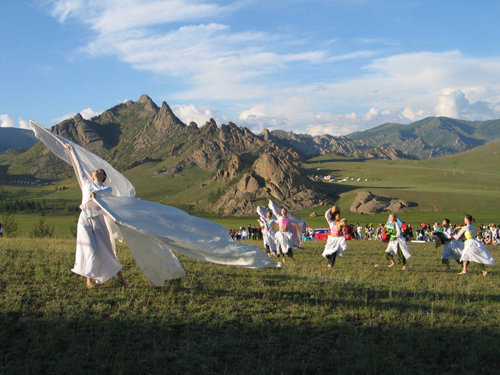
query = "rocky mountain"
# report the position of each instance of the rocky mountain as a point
(430, 137)
(310, 146)
(16, 138)
(246, 167)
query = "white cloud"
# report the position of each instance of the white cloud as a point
(8, 122)
(86, 113)
(189, 112)
(253, 73)
(456, 105)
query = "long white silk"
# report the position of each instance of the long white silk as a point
(152, 230)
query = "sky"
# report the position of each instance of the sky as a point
(308, 66)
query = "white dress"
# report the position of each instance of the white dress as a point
(95, 255)
(400, 241)
(474, 251)
(334, 244)
(268, 233)
(451, 249)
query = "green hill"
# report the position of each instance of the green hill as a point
(468, 182)
(431, 137)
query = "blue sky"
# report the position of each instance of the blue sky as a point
(310, 66)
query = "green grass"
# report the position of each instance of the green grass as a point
(442, 187)
(301, 319)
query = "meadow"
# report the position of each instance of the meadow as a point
(359, 318)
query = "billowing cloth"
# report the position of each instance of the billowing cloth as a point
(474, 251)
(153, 231)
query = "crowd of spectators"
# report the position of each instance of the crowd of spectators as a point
(487, 234)
(251, 232)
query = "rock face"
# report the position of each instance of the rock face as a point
(272, 175)
(368, 203)
(308, 146)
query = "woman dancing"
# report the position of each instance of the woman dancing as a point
(267, 224)
(474, 251)
(95, 256)
(452, 248)
(336, 244)
(284, 236)
(397, 243)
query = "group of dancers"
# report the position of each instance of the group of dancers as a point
(278, 231)
(96, 260)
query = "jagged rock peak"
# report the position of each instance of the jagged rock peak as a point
(148, 103)
(166, 116)
(210, 125)
(78, 118)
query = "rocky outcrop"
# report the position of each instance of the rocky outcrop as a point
(272, 176)
(368, 203)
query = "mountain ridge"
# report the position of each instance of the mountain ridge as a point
(247, 168)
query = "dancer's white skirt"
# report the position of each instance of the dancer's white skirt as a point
(452, 250)
(392, 247)
(335, 245)
(95, 256)
(475, 251)
(269, 239)
(284, 241)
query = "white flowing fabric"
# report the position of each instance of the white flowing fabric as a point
(268, 233)
(452, 250)
(152, 230)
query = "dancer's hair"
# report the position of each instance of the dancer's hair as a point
(470, 218)
(104, 173)
(447, 221)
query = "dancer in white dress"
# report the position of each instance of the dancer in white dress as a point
(474, 251)
(153, 231)
(452, 248)
(284, 236)
(336, 244)
(95, 256)
(267, 224)
(397, 243)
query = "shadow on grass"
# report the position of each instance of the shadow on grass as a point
(92, 345)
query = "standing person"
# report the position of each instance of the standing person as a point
(95, 256)
(1, 230)
(267, 224)
(397, 243)
(284, 236)
(452, 248)
(336, 243)
(474, 250)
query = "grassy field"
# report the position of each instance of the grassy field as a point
(442, 187)
(301, 319)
